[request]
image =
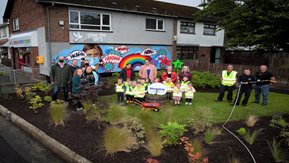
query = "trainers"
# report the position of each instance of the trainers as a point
(178, 103)
(187, 103)
(190, 103)
(78, 109)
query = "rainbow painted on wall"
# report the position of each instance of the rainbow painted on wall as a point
(133, 59)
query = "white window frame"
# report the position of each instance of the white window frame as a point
(157, 23)
(208, 24)
(15, 24)
(194, 32)
(79, 22)
(2, 31)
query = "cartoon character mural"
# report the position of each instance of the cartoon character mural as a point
(108, 58)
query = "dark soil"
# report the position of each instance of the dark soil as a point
(85, 139)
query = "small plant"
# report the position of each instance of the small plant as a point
(117, 139)
(172, 132)
(194, 156)
(20, 92)
(136, 128)
(58, 112)
(277, 153)
(211, 134)
(250, 138)
(251, 121)
(241, 131)
(90, 112)
(35, 103)
(155, 145)
(41, 86)
(202, 119)
(116, 115)
(47, 99)
(278, 123)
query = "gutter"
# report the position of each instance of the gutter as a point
(49, 56)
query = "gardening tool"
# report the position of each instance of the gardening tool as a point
(147, 106)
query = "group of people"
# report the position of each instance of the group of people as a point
(130, 88)
(262, 80)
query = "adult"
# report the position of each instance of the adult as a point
(60, 78)
(73, 66)
(90, 76)
(229, 78)
(264, 78)
(169, 73)
(127, 73)
(185, 73)
(148, 71)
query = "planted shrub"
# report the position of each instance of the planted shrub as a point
(205, 79)
(41, 86)
(172, 132)
(136, 128)
(117, 139)
(241, 131)
(251, 121)
(202, 119)
(116, 115)
(211, 134)
(90, 112)
(19, 92)
(250, 138)
(47, 98)
(154, 144)
(194, 151)
(57, 112)
(35, 103)
(278, 154)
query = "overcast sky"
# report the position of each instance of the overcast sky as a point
(182, 2)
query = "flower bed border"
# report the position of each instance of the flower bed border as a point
(61, 150)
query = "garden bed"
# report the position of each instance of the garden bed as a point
(85, 138)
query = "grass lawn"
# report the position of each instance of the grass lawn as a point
(278, 103)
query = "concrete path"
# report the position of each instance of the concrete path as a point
(17, 146)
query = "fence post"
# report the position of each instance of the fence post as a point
(15, 78)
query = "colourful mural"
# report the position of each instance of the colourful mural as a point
(108, 58)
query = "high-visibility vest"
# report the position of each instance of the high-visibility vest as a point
(139, 92)
(190, 92)
(145, 86)
(229, 80)
(184, 85)
(170, 86)
(119, 87)
(177, 92)
(128, 90)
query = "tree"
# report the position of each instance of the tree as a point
(262, 24)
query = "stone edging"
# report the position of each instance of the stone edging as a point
(58, 148)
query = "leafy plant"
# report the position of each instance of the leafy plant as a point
(155, 145)
(117, 139)
(116, 115)
(20, 92)
(194, 151)
(276, 151)
(251, 121)
(28, 93)
(278, 123)
(250, 138)
(241, 131)
(57, 112)
(136, 128)
(205, 79)
(211, 134)
(202, 119)
(35, 103)
(47, 98)
(41, 86)
(172, 132)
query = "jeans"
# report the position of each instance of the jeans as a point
(56, 90)
(264, 89)
(120, 97)
(223, 89)
(247, 92)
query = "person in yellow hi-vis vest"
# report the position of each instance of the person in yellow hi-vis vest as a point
(139, 92)
(177, 94)
(128, 91)
(170, 87)
(229, 78)
(119, 89)
(189, 94)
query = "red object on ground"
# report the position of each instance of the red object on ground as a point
(147, 104)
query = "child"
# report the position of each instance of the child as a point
(128, 91)
(157, 80)
(144, 84)
(170, 87)
(119, 89)
(139, 92)
(177, 94)
(76, 88)
(189, 94)
(184, 83)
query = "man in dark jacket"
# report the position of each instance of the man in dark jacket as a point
(60, 76)
(245, 80)
(126, 73)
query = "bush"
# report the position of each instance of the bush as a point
(155, 145)
(136, 128)
(57, 112)
(36, 103)
(47, 98)
(205, 79)
(172, 132)
(118, 139)
(202, 119)
(116, 115)
(251, 121)
(41, 86)
(211, 134)
(277, 153)
(90, 112)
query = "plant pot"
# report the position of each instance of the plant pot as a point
(156, 98)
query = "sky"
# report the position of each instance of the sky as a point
(182, 2)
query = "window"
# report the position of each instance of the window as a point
(188, 52)
(86, 20)
(187, 27)
(3, 32)
(155, 24)
(15, 24)
(209, 29)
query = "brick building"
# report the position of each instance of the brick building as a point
(116, 31)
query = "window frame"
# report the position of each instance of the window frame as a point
(194, 32)
(15, 24)
(186, 56)
(79, 24)
(208, 26)
(157, 24)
